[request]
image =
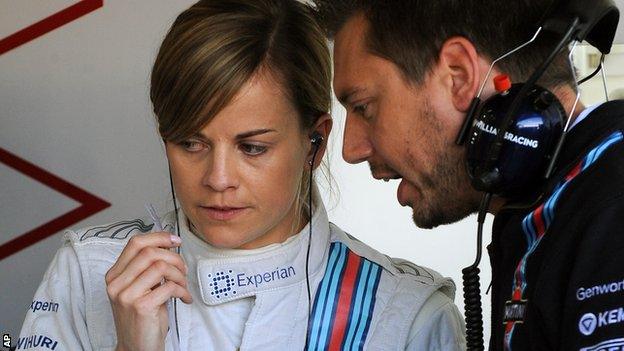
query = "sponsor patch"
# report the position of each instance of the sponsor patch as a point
(46, 306)
(36, 341)
(589, 322)
(258, 279)
(609, 345)
(514, 311)
(225, 283)
(602, 289)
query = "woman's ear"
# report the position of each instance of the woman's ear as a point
(322, 128)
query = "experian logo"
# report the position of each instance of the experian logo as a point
(258, 279)
(589, 322)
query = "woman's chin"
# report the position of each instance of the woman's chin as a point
(221, 242)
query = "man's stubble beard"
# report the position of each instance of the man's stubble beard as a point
(445, 193)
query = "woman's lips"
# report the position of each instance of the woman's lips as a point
(223, 213)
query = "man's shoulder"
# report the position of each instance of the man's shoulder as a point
(599, 179)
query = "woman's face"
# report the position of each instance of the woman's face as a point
(237, 178)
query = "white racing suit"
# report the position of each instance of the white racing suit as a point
(255, 300)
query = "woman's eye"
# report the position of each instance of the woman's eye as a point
(192, 145)
(252, 149)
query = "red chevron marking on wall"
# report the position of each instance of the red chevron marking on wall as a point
(89, 204)
(49, 24)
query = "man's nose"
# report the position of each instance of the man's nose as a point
(356, 145)
(221, 173)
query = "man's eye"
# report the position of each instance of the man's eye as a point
(192, 145)
(252, 149)
(360, 109)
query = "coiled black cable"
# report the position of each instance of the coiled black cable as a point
(472, 288)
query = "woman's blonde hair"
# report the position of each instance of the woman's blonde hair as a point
(215, 47)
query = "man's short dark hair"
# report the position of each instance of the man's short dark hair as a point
(410, 33)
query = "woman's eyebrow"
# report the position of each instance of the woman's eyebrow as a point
(254, 133)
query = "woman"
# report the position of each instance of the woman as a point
(241, 92)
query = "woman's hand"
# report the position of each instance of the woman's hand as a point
(137, 297)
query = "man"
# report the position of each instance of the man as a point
(406, 72)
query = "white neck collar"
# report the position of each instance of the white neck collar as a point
(227, 275)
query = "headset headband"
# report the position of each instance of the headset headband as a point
(598, 21)
(574, 20)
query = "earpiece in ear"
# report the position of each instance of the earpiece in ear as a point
(316, 139)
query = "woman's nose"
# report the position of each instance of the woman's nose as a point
(221, 173)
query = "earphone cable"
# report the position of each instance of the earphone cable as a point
(175, 209)
(316, 148)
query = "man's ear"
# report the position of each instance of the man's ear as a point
(323, 127)
(460, 64)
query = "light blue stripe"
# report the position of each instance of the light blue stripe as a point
(370, 287)
(524, 261)
(549, 209)
(589, 159)
(605, 146)
(525, 229)
(355, 315)
(530, 227)
(608, 142)
(333, 292)
(322, 293)
(513, 328)
(597, 151)
(552, 202)
(360, 305)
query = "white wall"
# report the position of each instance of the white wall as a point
(74, 102)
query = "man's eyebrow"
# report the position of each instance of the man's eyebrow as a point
(254, 133)
(346, 96)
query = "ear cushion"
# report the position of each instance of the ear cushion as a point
(528, 143)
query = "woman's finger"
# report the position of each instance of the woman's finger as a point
(138, 243)
(151, 277)
(168, 290)
(141, 262)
